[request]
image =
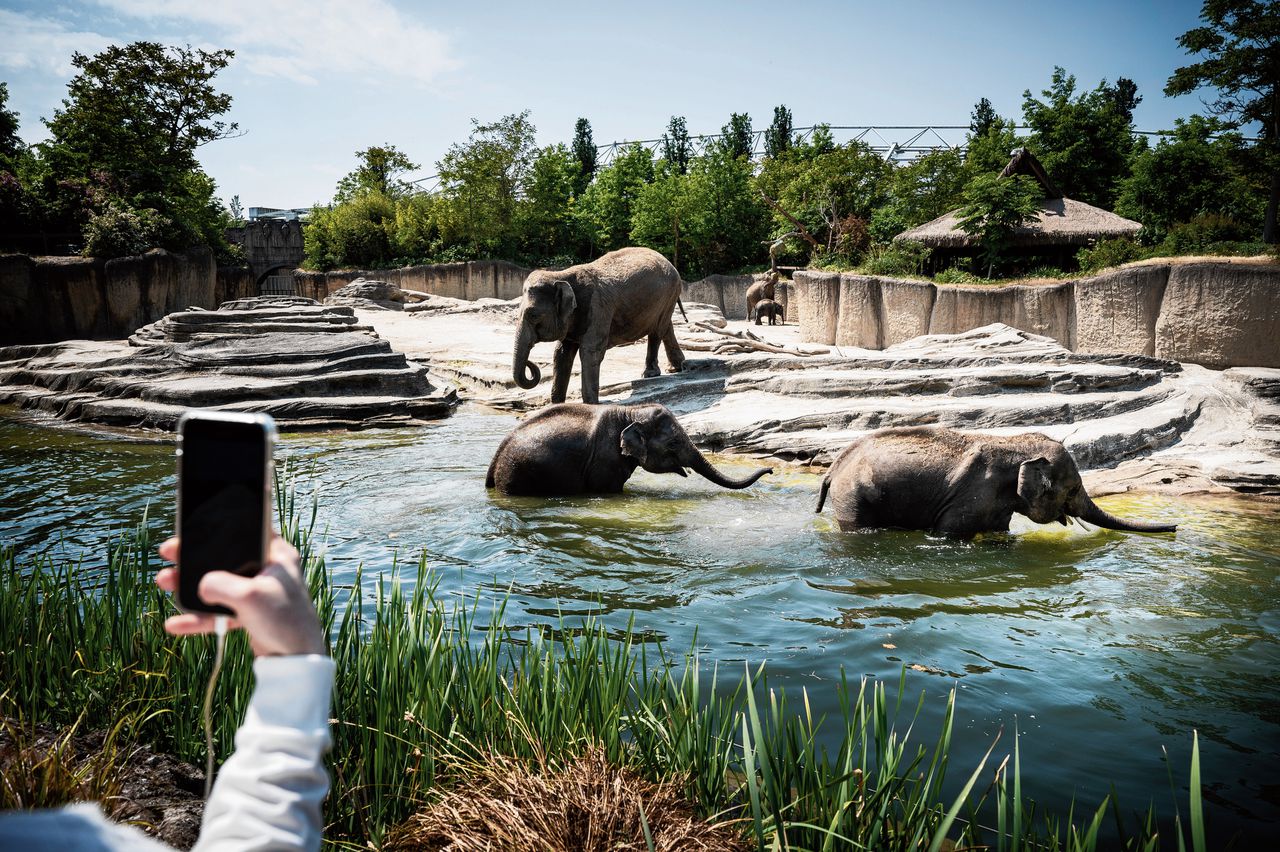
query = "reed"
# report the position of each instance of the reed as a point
(428, 686)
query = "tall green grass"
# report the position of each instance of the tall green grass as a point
(427, 683)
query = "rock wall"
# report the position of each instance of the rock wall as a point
(47, 299)
(474, 279)
(1215, 313)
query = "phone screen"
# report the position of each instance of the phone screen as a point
(222, 502)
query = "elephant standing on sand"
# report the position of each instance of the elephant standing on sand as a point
(617, 299)
(959, 484)
(593, 449)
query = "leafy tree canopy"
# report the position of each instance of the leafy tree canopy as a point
(584, 150)
(993, 208)
(1201, 170)
(983, 116)
(605, 212)
(483, 180)
(736, 136)
(140, 111)
(778, 137)
(676, 149)
(380, 170)
(10, 144)
(1240, 44)
(1083, 141)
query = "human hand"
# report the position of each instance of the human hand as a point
(273, 606)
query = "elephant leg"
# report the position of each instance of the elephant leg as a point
(675, 356)
(651, 357)
(592, 356)
(563, 369)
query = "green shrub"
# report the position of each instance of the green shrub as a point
(1046, 272)
(1108, 253)
(956, 275)
(120, 231)
(901, 257)
(1196, 236)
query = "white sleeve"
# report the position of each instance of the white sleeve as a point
(268, 793)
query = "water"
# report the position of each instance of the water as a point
(1102, 648)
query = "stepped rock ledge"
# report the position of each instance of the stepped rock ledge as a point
(309, 366)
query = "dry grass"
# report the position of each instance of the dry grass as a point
(586, 806)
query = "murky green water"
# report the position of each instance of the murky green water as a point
(1102, 648)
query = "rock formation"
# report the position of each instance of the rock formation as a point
(308, 365)
(363, 293)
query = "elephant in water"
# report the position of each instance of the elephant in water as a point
(959, 484)
(573, 448)
(617, 299)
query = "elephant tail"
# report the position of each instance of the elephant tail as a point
(680, 304)
(822, 494)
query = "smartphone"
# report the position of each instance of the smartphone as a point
(224, 498)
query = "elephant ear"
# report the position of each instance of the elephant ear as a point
(633, 443)
(566, 303)
(1034, 480)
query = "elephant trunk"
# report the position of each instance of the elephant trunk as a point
(698, 463)
(521, 364)
(1094, 514)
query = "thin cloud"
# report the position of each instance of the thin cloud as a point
(305, 42)
(43, 45)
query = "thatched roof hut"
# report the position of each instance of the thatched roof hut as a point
(1061, 222)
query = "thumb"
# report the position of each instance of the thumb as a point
(223, 587)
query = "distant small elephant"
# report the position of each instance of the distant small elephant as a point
(959, 484)
(588, 308)
(573, 448)
(769, 308)
(760, 290)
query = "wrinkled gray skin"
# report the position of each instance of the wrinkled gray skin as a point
(759, 291)
(619, 298)
(574, 448)
(769, 308)
(959, 484)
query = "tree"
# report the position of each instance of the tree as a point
(584, 150)
(10, 145)
(676, 149)
(379, 171)
(736, 136)
(140, 111)
(1241, 48)
(994, 207)
(1084, 141)
(824, 190)
(234, 208)
(778, 137)
(482, 183)
(920, 191)
(1200, 170)
(983, 117)
(990, 151)
(661, 218)
(605, 211)
(546, 224)
(127, 135)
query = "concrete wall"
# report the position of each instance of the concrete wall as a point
(269, 244)
(474, 279)
(1214, 313)
(46, 299)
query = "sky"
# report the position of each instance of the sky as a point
(314, 82)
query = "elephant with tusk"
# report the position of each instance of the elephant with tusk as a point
(573, 448)
(619, 298)
(959, 484)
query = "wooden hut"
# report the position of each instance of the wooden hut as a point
(1062, 226)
